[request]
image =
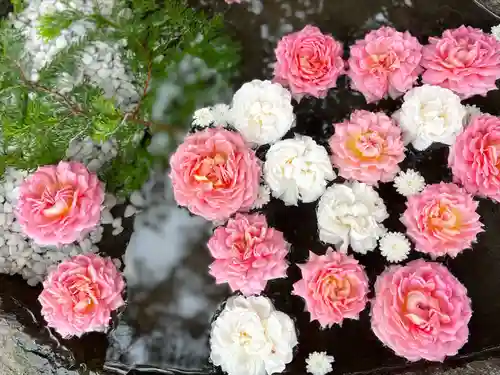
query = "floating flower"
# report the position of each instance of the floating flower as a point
(421, 311)
(297, 169)
(465, 60)
(248, 253)
(319, 363)
(250, 337)
(351, 214)
(409, 183)
(222, 114)
(385, 62)
(394, 247)
(495, 31)
(471, 111)
(334, 287)
(442, 220)
(367, 147)
(263, 197)
(80, 294)
(215, 174)
(262, 111)
(474, 158)
(59, 204)
(430, 114)
(203, 117)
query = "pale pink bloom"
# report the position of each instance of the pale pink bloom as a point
(474, 159)
(308, 62)
(368, 147)
(247, 254)
(465, 60)
(334, 286)
(421, 311)
(215, 174)
(442, 220)
(59, 204)
(385, 62)
(79, 295)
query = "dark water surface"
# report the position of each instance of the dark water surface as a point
(171, 297)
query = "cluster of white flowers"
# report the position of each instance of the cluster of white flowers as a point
(394, 247)
(409, 183)
(250, 337)
(351, 214)
(217, 115)
(319, 363)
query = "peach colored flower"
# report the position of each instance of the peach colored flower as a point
(465, 60)
(474, 159)
(247, 254)
(79, 295)
(308, 62)
(385, 62)
(215, 174)
(59, 204)
(442, 220)
(421, 311)
(368, 147)
(334, 287)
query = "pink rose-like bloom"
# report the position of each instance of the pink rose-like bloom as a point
(368, 147)
(385, 62)
(308, 62)
(474, 159)
(79, 295)
(334, 286)
(215, 174)
(442, 219)
(59, 204)
(421, 311)
(465, 60)
(247, 254)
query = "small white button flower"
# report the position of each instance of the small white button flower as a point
(495, 31)
(319, 363)
(394, 246)
(409, 183)
(203, 117)
(471, 111)
(221, 114)
(263, 197)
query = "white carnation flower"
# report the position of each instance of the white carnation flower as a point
(262, 111)
(430, 114)
(409, 183)
(351, 214)
(250, 337)
(319, 363)
(395, 247)
(203, 117)
(297, 169)
(495, 31)
(263, 197)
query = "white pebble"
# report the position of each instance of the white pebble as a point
(117, 231)
(137, 199)
(106, 217)
(117, 222)
(7, 207)
(129, 211)
(109, 201)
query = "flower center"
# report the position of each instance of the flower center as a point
(383, 62)
(367, 146)
(443, 218)
(85, 295)
(211, 171)
(55, 201)
(336, 288)
(311, 64)
(423, 311)
(244, 339)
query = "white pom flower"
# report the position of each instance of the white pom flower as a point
(203, 117)
(495, 31)
(297, 169)
(471, 111)
(319, 363)
(394, 246)
(221, 114)
(262, 111)
(263, 197)
(250, 337)
(409, 183)
(351, 214)
(430, 114)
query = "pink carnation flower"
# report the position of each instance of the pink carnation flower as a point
(308, 62)
(59, 204)
(464, 60)
(474, 159)
(368, 147)
(79, 295)
(334, 287)
(442, 219)
(247, 254)
(421, 311)
(215, 174)
(385, 62)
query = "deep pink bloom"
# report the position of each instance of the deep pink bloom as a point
(334, 287)
(465, 60)
(59, 204)
(442, 220)
(79, 295)
(385, 62)
(368, 147)
(247, 254)
(421, 311)
(474, 159)
(215, 174)
(308, 62)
